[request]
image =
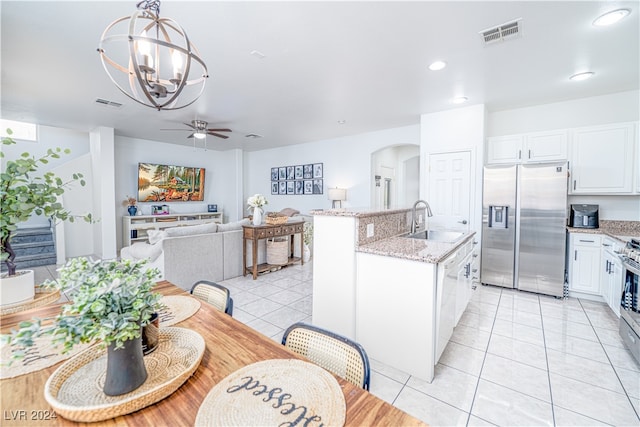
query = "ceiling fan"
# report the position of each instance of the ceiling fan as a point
(198, 129)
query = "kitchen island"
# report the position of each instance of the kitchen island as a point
(399, 297)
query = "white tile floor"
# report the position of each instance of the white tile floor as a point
(515, 359)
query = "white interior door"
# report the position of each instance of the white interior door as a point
(449, 190)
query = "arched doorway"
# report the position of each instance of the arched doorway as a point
(395, 176)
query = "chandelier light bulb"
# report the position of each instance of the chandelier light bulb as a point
(176, 59)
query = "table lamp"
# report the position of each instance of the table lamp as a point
(337, 195)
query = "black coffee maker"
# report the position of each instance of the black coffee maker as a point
(584, 216)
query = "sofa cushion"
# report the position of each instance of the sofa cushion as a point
(191, 230)
(289, 212)
(155, 236)
(140, 250)
(230, 226)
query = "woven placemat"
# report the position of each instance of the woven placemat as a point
(40, 355)
(178, 308)
(75, 388)
(43, 296)
(273, 393)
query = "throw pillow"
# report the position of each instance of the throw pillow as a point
(140, 250)
(289, 212)
(155, 236)
(230, 226)
(191, 230)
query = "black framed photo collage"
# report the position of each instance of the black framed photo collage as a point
(297, 180)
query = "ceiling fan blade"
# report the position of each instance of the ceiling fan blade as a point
(219, 130)
(191, 136)
(190, 125)
(219, 135)
(188, 130)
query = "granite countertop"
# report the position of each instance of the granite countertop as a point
(621, 230)
(414, 249)
(357, 212)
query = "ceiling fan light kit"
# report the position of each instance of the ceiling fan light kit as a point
(164, 69)
(198, 129)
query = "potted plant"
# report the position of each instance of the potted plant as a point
(22, 194)
(307, 237)
(256, 202)
(130, 203)
(110, 302)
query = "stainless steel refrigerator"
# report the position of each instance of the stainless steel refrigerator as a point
(524, 218)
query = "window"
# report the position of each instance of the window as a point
(21, 130)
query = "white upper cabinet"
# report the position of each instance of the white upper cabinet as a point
(602, 159)
(545, 146)
(528, 148)
(504, 149)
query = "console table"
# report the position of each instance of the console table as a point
(254, 233)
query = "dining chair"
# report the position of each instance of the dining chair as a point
(335, 353)
(214, 294)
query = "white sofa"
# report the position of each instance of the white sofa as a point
(213, 252)
(184, 255)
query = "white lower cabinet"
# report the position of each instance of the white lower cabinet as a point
(584, 263)
(611, 274)
(467, 278)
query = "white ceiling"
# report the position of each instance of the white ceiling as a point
(364, 62)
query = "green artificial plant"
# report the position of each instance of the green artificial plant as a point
(23, 193)
(110, 301)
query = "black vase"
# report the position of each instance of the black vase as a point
(125, 368)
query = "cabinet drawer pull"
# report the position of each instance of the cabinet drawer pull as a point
(574, 184)
(529, 153)
(587, 241)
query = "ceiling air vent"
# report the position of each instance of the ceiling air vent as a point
(502, 32)
(108, 103)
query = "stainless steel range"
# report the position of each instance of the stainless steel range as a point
(629, 305)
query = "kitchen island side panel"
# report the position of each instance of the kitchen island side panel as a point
(334, 274)
(395, 312)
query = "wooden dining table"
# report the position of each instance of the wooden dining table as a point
(230, 345)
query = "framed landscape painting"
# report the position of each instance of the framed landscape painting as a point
(167, 183)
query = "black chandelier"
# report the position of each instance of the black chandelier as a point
(163, 66)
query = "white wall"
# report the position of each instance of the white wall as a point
(78, 237)
(223, 178)
(597, 110)
(460, 129)
(612, 108)
(347, 164)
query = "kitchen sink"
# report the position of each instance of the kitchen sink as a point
(437, 235)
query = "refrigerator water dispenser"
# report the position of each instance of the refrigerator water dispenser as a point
(498, 216)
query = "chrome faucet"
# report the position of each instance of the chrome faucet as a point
(414, 222)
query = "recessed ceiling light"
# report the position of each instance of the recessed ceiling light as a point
(611, 18)
(460, 100)
(258, 54)
(582, 76)
(437, 66)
